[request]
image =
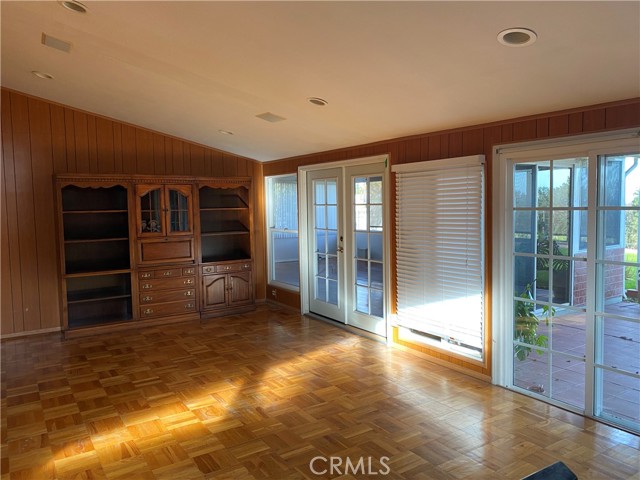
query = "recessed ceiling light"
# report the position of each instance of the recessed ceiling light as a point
(517, 37)
(321, 102)
(74, 6)
(225, 132)
(46, 76)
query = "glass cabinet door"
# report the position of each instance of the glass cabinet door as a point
(150, 221)
(179, 212)
(164, 210)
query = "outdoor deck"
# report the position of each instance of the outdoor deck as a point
(567, 339)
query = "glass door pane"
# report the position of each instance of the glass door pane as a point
(325, 243)
(151, 212)
(326, 240)
(178, 212)
(367, 236)
(365, 248)
(617, 337)
(550, 279)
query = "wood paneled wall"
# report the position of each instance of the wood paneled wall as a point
(40, 139)
(473, 140)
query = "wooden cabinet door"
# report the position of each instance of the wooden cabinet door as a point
(240, 288)
(150, 211)
(179, 209)
(214, 288)
(164, 210)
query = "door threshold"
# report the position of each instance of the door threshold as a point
(348, 328)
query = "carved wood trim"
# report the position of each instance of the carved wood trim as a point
(125, 180)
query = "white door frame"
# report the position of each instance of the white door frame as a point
(303, 237)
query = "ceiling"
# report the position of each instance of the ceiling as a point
(386, 69)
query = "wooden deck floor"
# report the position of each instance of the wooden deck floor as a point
(261, 395)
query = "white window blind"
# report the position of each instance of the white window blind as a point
(440, 251)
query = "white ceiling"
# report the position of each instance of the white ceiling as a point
(387, 69)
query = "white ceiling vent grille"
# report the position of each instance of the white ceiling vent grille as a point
(271, 117)
(56, 43)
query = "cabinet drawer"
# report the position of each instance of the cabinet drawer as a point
(173, 308)
(166, 283)
(162, 273)
(167, 296)
(226, 268)
(233, 267)
(167, 272)
(208, 269)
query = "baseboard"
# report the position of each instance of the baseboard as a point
(283, 306)
(442, 363)
(30, 333)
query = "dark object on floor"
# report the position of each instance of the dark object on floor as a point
(555, 471)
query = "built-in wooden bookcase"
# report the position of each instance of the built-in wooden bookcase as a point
(95, 254)
(131, 248)
(225, 222)
(226, 226)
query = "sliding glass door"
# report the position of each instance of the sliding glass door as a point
(549, 278)
(617, 311)
(574, 282)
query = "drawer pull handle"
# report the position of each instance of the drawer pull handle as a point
(208, 269)
(145, 275)
(148, 298)
(148, 311)
(188, 282)
(168, 274)
(147, 285)
(188, 271)
(188, 294)
(189, 305)
(246, 265)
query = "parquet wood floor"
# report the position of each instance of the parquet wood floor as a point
(260, 395)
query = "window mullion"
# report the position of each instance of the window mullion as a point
(592, 247)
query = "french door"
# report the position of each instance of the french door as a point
(571, 226)
(326, 243)
(345, 233)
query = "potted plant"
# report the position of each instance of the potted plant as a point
(526, 326)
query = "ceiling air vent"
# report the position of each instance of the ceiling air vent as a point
(56, 43)
(271, 117)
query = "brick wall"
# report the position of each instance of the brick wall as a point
(613, 277)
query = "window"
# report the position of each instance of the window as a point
(282, 225)
(440, 253)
